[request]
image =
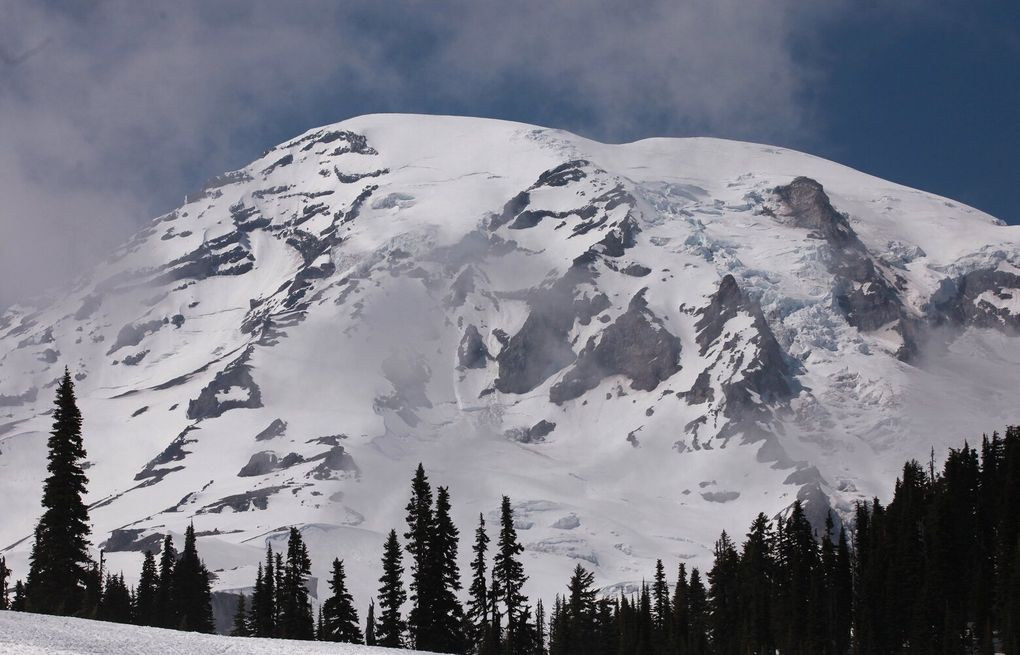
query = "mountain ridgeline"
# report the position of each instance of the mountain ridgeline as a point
(640, 344)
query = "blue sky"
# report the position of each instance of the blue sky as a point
(112, 110)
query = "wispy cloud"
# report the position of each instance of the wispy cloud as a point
(111, 110)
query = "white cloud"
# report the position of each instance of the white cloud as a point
(119, 107)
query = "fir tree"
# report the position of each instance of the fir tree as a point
(577, 621)
(339, 618)
(191, 593)
(509, 573)
(115, 605)
(18, 602)
(756, 587)
(240, 627)
(390, 629)
(697, 604)
(147, 591)
(540, 627)
(424, 576)
(5, 574)
(446, 635)
(681, 611)
(295, 608)
(478, 594)
(263, 599)
(278, 586)
(661, 611)
(165, 611)
(724, 597)
(59, 562)
(370, 639)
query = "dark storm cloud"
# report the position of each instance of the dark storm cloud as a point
(111, 111)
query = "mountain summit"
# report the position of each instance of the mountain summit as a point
(640, 344)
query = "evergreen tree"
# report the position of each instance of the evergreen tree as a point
(280, 589)
(756, 587)
(191, 594)
(662, 614)
(295, 608)
(425, 581)
(478, 600)
(263, 599)
(59, 562)
(115, 604)
(165, 610)
(724, 601)
(681, 612)
(576, 630)
(509, 573)
(842, 589)
(540, 628)
(5, 574)
(339, 618)
(447, 632)
(390, 629)
(18, 602)
(370, 625)
(147, 591)
(697, 604)
(240, 627)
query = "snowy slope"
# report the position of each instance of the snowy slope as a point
(641, 344)
(38, 634)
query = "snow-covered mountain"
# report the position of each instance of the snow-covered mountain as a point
(640, 344)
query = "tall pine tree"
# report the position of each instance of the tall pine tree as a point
(5, 574)
(339, 618)
(508, 571)
(241, 626)
(425, 580)
(192, 597)
(60, 564)
(478, 592)
(295, 608)
(447, 631)
(146, 592)
(390, 628)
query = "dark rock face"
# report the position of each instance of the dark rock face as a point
(255, 499)
(350, 142)
(237, 374)
(472, 352)
(275, 429)
(259, 464)
(636, 345)
(538, 350)
(226, 255)
(175, 452)
(132, 335)
(127, 540)
(750, 388)
(535, 434)
(862, 293)
(958, 303)
(335, 460)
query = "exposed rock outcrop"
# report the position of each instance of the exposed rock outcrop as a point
(635, 345)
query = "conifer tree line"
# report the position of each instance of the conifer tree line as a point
(63, 578)
(937, 570)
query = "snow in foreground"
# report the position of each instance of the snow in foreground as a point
(34, 634)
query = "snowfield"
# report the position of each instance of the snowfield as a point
(37, 634)
(641, 344)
